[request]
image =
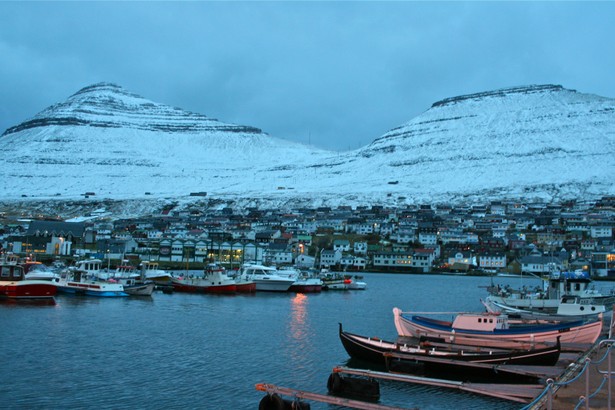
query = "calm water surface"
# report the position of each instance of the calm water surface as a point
(184, 351)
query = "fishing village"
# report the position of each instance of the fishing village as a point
(545, 346)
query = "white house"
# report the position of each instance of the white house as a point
(428, 238)
(341, 245)
(330, 257)
(395, 260)
(464, 258)
(353, 262)
(601, 231)
(492, 261)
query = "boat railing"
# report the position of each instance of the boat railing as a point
(447, 313)
(552, 386)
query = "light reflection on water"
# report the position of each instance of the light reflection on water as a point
(208, 352)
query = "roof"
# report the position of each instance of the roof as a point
(75, 229)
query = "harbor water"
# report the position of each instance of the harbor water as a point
(180, 351)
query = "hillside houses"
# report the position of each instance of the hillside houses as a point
(499, 236)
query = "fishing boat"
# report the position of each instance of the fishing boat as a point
(214, 280)
(374, 349)
(489, 329)
(154, 273)
(266, 278)
(306, 283)
(569, 308)
(38, 271)
(14, 285)
(356, 282)
(120, 272)
(557, 285)
(78, 282)
(334, 280)
(137, 287)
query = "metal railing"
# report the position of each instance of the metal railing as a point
(583, 400)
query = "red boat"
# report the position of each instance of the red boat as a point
(245, 286)
(14, 286)
(215, 280)
(306, 285)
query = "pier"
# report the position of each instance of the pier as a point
(581, 380)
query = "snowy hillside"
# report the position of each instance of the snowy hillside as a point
(543, 142)
(537, 142)
(119, 145)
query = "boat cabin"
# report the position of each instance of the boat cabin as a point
(569, 283)
(478, 321)
(12, 273)
(91, 266)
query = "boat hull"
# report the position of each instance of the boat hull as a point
(145, 289)
(515, 337)
(199, 286)
(27, 290)
(272, 285)
(246, 287)
(547, 305)
(375, 350)
(98, 289)
(335, 285)
(305, 288)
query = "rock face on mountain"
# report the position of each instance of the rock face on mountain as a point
(537, 142)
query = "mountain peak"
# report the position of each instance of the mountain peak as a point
(104, 88)
(108, 105)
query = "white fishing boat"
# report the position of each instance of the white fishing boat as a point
(154, 273)
(547, 299)
(39, 271)
(267, 278)
(78, 282)
(333, 280)
(569, 307)
(356, 282)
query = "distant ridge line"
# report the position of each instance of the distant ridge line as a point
(500, 93)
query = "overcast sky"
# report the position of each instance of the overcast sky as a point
(336, 75)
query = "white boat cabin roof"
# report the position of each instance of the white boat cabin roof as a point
(480, 321)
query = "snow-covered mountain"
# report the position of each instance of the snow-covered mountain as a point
(536, 142)
(542, 142)
(119, 145)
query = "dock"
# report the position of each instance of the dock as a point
(522, 393)
(582, 379)
(323, 398)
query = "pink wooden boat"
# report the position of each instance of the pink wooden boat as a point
(496, 330)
